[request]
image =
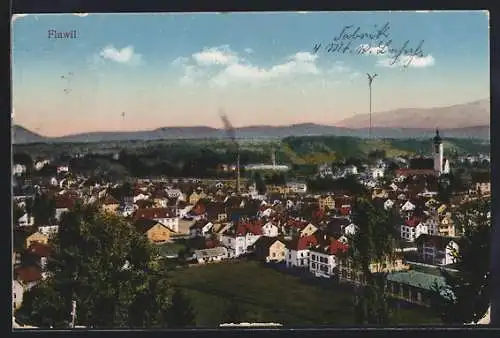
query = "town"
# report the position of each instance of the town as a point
(273, 225)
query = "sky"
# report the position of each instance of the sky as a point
(146, 71)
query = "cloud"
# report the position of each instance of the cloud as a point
(301, 63)
(220, 66)
(215, 56)
(248, 50)
(125, 55)
(388, 58)
(407, 61)
(339, 67)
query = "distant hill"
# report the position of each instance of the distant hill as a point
(22, 135)
(457, 116)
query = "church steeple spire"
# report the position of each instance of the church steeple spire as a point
(437, 138)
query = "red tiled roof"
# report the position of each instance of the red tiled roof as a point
(28, 274)
(296, 224)
(412, 222)
(335, 247)
(303, 243)
(254, 228)
(153, 213)
(40, 249)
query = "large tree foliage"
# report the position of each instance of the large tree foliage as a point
(470, 294)
(374, 242)
(180, 313)
(105, 265)
(43, 209)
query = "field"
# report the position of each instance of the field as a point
(267, 295)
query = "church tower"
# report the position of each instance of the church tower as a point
(438, 153)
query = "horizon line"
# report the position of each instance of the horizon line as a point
(244, 127)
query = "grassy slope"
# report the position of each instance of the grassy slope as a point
(271, 296)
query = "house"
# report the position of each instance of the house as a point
(36, 237)
(110, 204)
(236, 244)
(18, 169)
(26, 220)
(140, 196)
(350, 273)
(350, 170)
(379, 193)
(241, 240)
(388, 204)
(309, 230)
(326, 202)
(160, 201)
(297, 251)
(164, 216)
(323, 260)
(483, 188)
(376, 173)
(297, 188)
(431, 204)
(413, 286)
(211, 255)
(216, 212)
(266, 212)
(17, 294)
(270, 230)
(432, 226)
(38, 253)
(126, 209)
(437, 250)
(446, 226)
(200, 228)
(407, 207)
(196, 196)
(48, 230)
(269, 249)
(28, 276)
(63, 204)
(442, 208)
(62, 169)
(155, 231)
(412, 229)
(350, 230)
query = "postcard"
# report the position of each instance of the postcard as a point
(277, 169)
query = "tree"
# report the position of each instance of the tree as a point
(105, 265)
(23, 159)
(466, 296)
(259, 184)
(180, 314)
(43, 209)
(373, 242)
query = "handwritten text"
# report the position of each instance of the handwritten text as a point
(353, 40)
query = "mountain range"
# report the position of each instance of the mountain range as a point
(470, 120)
